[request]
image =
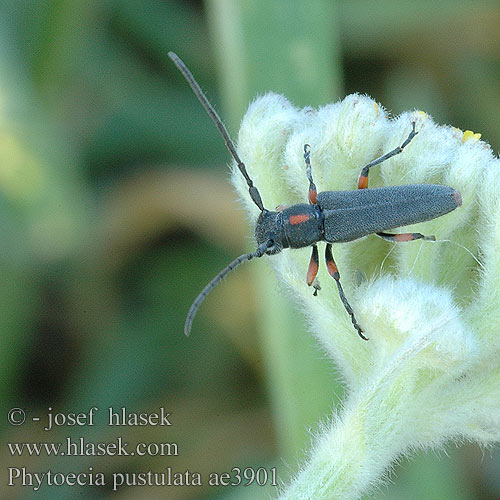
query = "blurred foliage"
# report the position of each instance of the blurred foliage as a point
(115, 210)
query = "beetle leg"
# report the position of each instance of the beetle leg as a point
(363, 176)
(397, 238)
(316, 286)
(313, 270)
(334, 273)
(312, 187)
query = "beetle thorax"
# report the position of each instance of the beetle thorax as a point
(302, 225)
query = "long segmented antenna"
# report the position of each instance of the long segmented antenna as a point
(254, 192)
(220, 276)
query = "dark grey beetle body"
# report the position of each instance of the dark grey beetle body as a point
(341, 216)
(331, 216)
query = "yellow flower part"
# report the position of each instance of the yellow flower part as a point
(469, 134)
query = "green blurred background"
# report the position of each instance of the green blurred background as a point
(115, 209)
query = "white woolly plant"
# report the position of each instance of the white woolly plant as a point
(431, 369)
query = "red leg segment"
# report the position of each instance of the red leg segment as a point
(398, 238)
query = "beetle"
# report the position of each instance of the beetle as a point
(330, 216)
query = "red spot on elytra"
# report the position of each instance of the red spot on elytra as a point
(298, 219)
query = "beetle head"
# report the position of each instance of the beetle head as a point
(270, 227)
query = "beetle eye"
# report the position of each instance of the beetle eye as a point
(274, 248)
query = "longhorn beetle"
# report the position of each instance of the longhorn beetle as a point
(331, 216)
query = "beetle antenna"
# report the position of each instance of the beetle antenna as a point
(218, 278)
(254, 192)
